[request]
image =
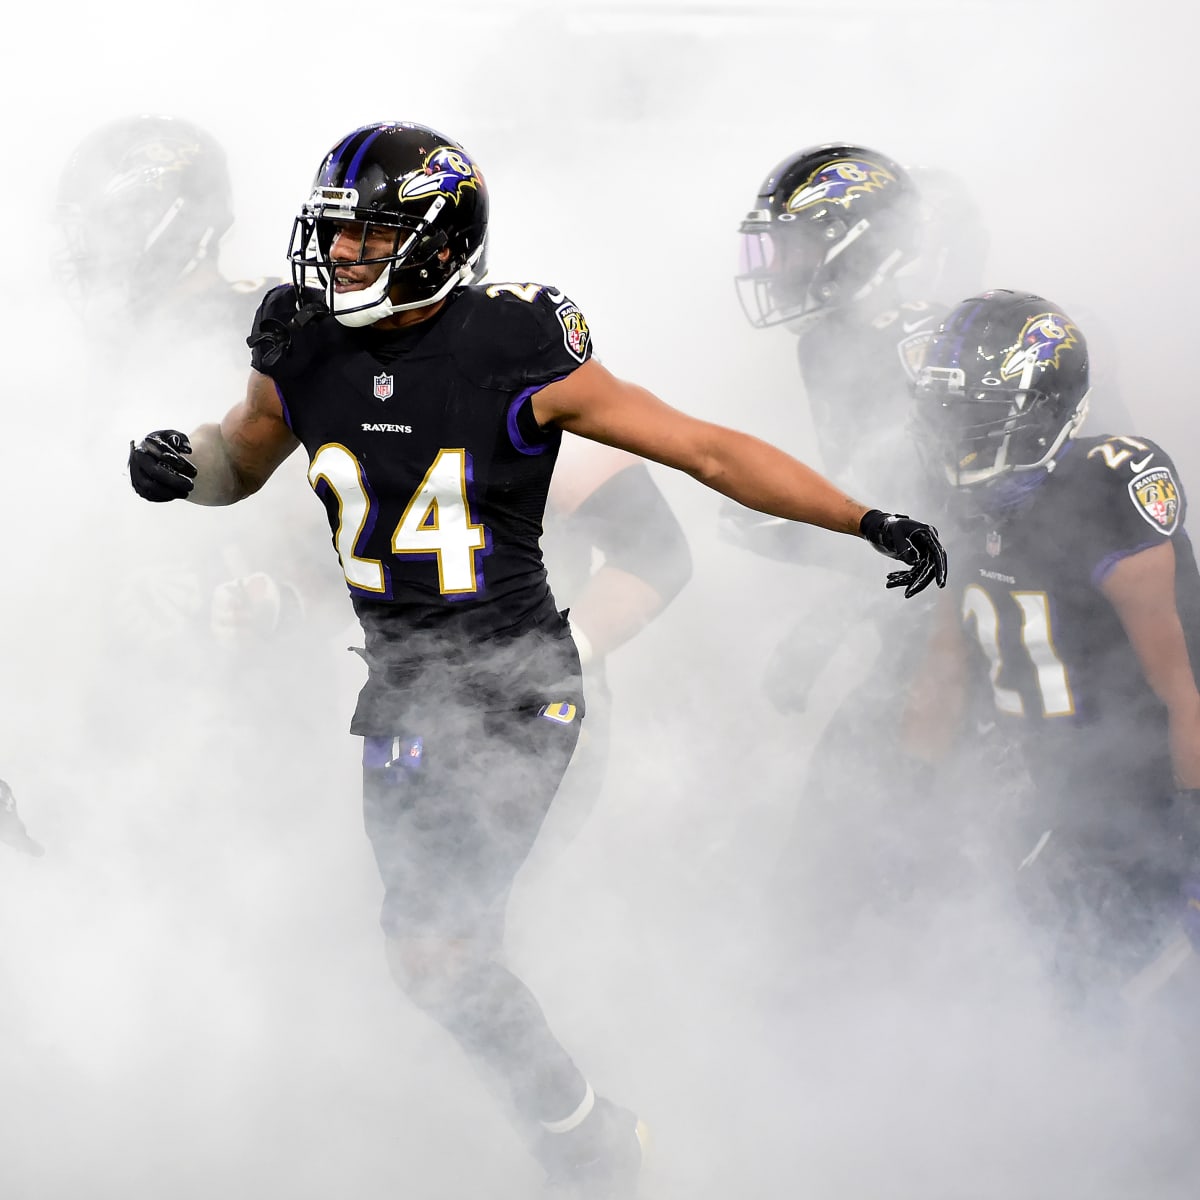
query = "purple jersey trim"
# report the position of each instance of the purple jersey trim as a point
(514, 435)
(377, 751)
(1102, 569)
(287, 416)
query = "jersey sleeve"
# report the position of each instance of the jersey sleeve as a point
(278, 347)
(1133, 500)
(526, 335)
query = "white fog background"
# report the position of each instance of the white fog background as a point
(193, 996)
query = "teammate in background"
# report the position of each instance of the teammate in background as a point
(12, 828)
(604, 505)
(834, 231)
(1077, 605)
(473, 701)
(832, 250)
(143, 205)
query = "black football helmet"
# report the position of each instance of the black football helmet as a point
(414, 181)
(1003, 386)
(141, 202)
(955, 240)
(831, 224)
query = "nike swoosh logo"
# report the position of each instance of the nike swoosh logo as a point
(908, 326)
(1135, 467)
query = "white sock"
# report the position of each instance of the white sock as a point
(576, 1118)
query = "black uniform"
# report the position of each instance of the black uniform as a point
(1059, 660)
(433, 472)
(1098, 850)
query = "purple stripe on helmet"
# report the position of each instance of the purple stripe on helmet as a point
(356, 161)
(336, 157)
(514, 434)
(960, 336)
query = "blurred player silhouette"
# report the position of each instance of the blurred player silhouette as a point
(1076, 605)
(143, 205)
(473, 703)
(843, 252)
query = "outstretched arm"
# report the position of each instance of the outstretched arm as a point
(593, 403)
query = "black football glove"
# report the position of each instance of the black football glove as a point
(157, 467)
(913, 543)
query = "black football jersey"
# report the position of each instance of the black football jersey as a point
(423, 449)
(1058, 658)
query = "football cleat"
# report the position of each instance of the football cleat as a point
(600, 1159)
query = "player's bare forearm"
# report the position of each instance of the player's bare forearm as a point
(613, 608)
(932, 721)
(593, 403)
(1141, 587)
(235, 458)
(218, 481)
(763, 477)
(1183, 723)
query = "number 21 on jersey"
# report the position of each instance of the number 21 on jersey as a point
(1054, 688)
(436, 522)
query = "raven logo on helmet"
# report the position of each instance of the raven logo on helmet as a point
(1043, 339)
(446, 172)
(839, 182)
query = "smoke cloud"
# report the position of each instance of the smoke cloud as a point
(192, 986)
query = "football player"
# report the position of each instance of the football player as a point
(1077, 605)
(616, 556)
(473, 701)
(143, 204)
(833, 251)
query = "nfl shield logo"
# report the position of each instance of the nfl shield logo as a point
(383, 387)
(993, 544)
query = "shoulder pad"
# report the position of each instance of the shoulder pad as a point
(525, 333)
(1138, 476)
(277, 322)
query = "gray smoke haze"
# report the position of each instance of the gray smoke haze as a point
(193, 996)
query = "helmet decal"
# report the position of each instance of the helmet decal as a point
(151, 163)
(839, 182)
(446, 172)
(1043, 340)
